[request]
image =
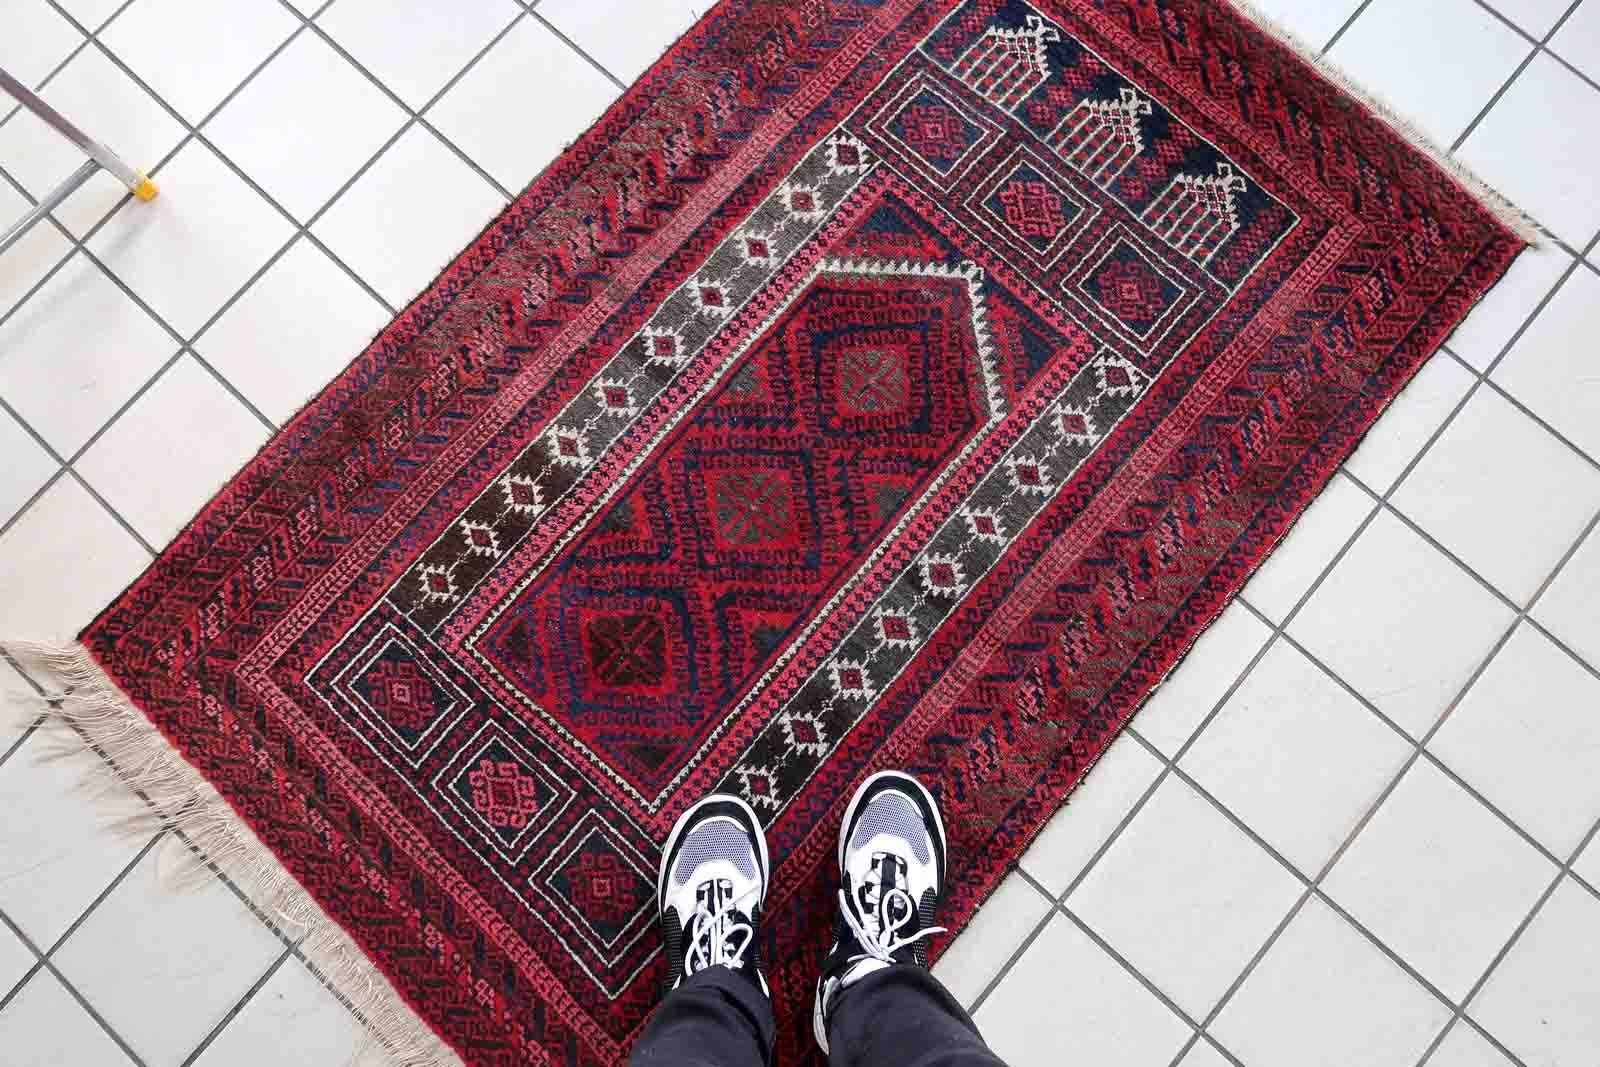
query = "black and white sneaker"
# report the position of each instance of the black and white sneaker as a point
(713, 880)
(891, 882)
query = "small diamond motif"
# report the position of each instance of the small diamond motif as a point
(712, 298)
(1029, 475)
(568, 447)
(1077, 425)
(663, 346)
(850, 679)
(615, 398)
(503, 794)
(803, 202)
(804, 733)
(1118, 377)
(984, 525)
(437, 584)
(756, 248)
(759, 785)
(846, 155)
(522, 494)
(942, 575)
(897, 629)
(481, 539)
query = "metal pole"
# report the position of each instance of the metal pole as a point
(48, 204)
(141, 186)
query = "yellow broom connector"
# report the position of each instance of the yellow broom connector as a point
(146, 189)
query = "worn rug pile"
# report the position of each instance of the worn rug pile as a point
(880, 383)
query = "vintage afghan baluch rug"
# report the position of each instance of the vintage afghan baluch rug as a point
(879, 383)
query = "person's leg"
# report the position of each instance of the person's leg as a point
(877, 1004)
(715, 1018)
(902, 1015)
(713, 879)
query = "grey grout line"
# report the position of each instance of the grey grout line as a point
(9, 995)
(238, 1006)
(570, 43)
(415, 116)
(1460, 1011)
(1344, 27)
(44, 964)
(1538, 47)
(1016, 954)
(1542, 44)
(85, 37)
(1278, 630)
(1496, 387)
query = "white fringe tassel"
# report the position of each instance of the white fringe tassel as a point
(1512, 217)
(136, 756)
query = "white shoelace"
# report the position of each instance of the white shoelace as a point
(719, 936)
(882, 942)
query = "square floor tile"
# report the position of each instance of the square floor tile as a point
(305, 125)
(1066, 1001)
(1504, 309)
(1308, 547)
(167, 251)
(1525, 148)
(1570, 608)
(1439, 878)
(1296, 757)
(278, 360)
(1554, 368)
(1006, 919)
(220, 42)
(163, 963)
(46, 1020)
(1503, 494)
(75, 352)
(1578, 40)
(1463, 1046)
(172, 450)
(35, 252)
(1324, 996)
(1401, 623)
(592, 24)
(1095, 809)
(95, 94)
(416, 46)
(60, 845)
(1313, 21)
(25, 468)
(61, 562)
(37, 38)
(1408, 423)
(1527, 736)
(1534, 17)
(444, 204)
(293, 1019)
(1169, 717)
(1439, 89)
(15, 960)
(1540, 1002)
(528, 63)
(1185, 896)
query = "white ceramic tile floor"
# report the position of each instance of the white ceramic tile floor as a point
(1357, 825)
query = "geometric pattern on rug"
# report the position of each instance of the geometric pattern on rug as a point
(878, 383)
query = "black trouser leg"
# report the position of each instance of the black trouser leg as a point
(716, 1018)
(902, 1017)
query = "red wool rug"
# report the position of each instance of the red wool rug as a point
(880, 383)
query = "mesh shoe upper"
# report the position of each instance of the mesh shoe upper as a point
(712, 882)
(891, 881)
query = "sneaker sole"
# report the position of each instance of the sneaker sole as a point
(819, 1026)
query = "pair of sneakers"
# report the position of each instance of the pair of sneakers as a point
(715, 871)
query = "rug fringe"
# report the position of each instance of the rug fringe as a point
(96, 715)
(1512, 217)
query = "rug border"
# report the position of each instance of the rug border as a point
(135, 752)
